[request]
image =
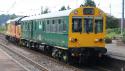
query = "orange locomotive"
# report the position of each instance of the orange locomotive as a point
(13, 30)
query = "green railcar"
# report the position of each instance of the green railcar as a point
(52, 31)
(73, 34)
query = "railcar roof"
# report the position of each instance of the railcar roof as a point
(49, 15)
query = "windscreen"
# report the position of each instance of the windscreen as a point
(88, 25)
(98, 25)
(77, 24)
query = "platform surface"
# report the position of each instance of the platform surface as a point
(116, 51)
(8, 64)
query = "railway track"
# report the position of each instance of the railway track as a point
(33, 62)
(40, 67)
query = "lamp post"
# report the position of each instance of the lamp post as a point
(122, 20)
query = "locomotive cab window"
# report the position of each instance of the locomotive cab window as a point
(98, 25)
(77, 24)
(88, 25)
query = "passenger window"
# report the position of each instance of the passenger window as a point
(88, 25)
(98, 25)
(27, 25)
(64, 25)
(43, 23)
(54, 26)
(60, 25)
(34, 25)
(40, 25)
(59, 21)
(47, 27)
(53, 21)
(77, 24)
(24, 25)
(50, 25)
(57, 26)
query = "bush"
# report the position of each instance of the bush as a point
(111, 35)
(108, 40)
(123, 37)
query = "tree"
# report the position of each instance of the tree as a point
(44, 11)
(62, 8)
(13, 16)
(112, 22)
(4, 18)
(89, 3)
(68, 8)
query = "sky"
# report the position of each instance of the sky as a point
(32, 7)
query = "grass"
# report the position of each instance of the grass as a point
(2, 29)
(114, 33)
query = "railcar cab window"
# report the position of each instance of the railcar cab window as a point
(88, 24)
(98, 25)
(77, 24)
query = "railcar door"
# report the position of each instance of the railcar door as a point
(30, 29)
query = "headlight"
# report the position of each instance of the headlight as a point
(99, 40)
(96, 39)
(73, 40)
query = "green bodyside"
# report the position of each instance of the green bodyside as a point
(38, 31)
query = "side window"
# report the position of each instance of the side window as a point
(98, 25)
(47, 21)
(27, 25)
(88, 25)
(40, 25)
(60, 25)
(43, 23)
(57, 25)
(50, 25)
(53, 26)
(46, 24)
(22, 25)
(64, 25)
(77, 25)
(34, 22)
